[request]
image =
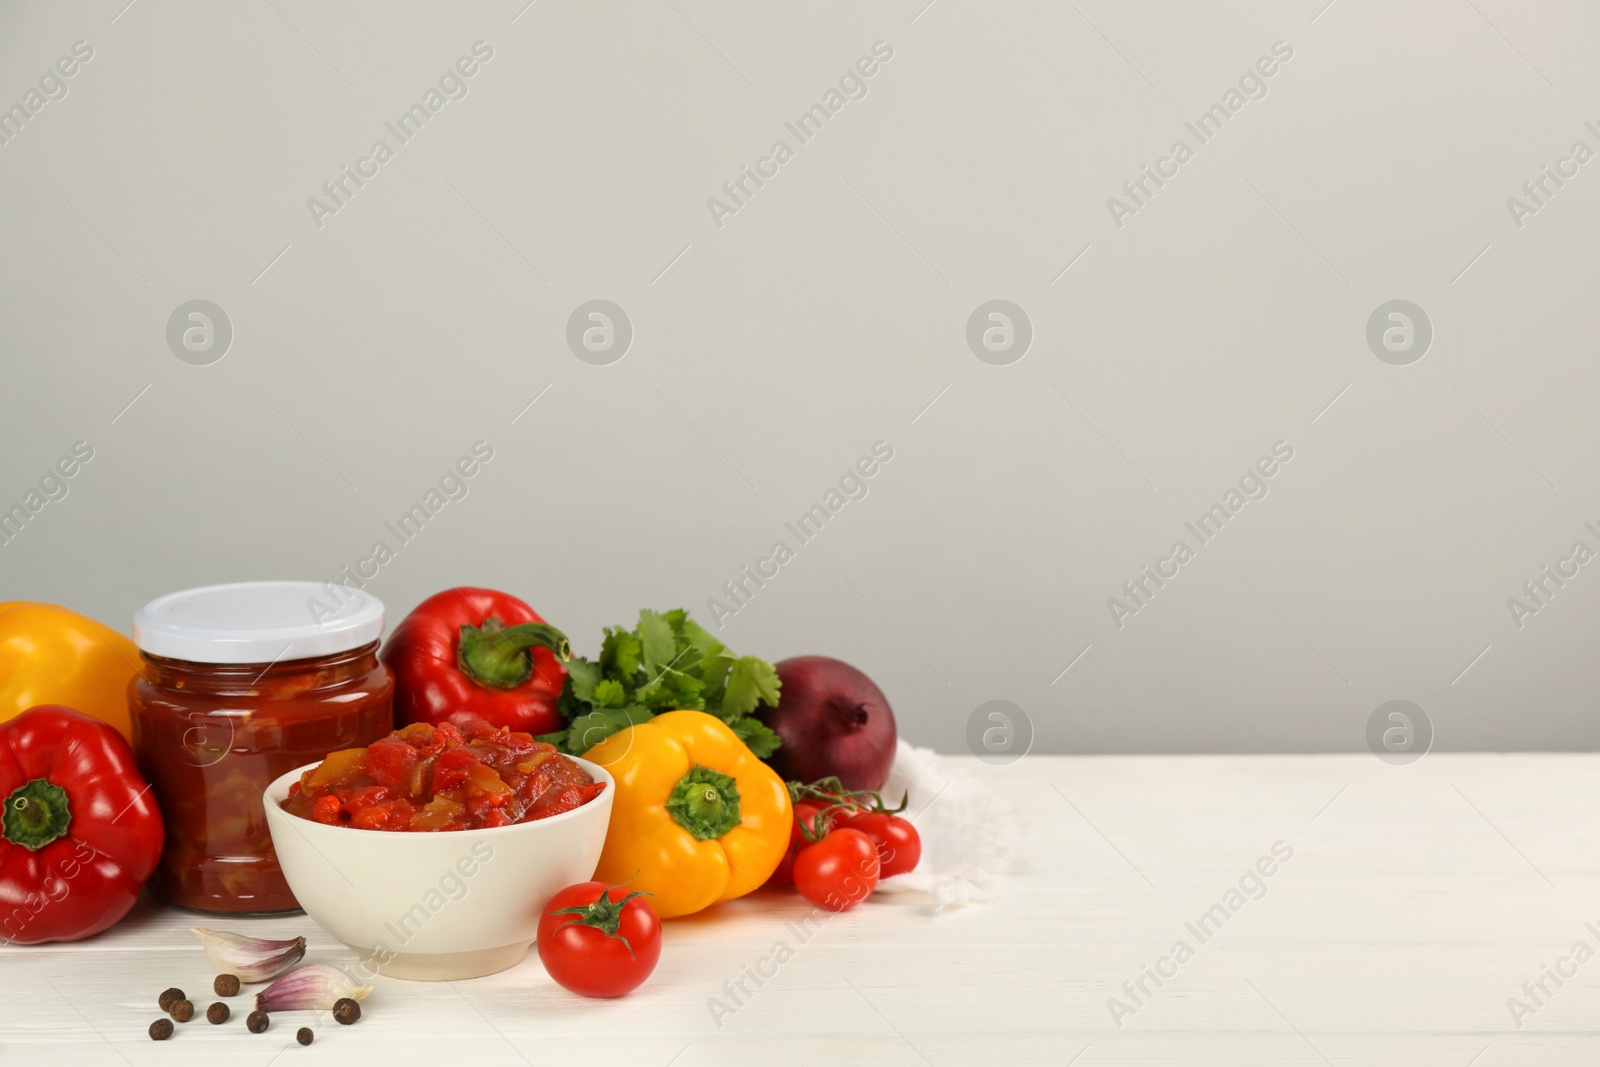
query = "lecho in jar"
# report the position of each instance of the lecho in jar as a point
(243, 683)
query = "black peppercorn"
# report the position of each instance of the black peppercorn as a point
(257, 1022)
(217, 1013)
(303, 1035)
(161, 1029)
(346, 1011)
(181, 1010)
(226, 985)
(169, 997)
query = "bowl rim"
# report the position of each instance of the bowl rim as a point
(280, 785)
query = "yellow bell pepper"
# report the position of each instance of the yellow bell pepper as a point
(697, 818)
(49, 655)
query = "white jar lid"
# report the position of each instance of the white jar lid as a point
(258, 622)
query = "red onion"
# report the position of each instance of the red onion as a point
(833, 721)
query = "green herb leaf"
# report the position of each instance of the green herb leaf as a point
(695, 634)
(751, 681)
(589, 730)
(583, 675)
(610, 694)
(667, 662)
(671, 691)
(619, 655)
(660, 643)
(714, 679)
(758, 735)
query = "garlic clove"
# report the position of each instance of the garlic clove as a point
(318, 985)
(251, 959)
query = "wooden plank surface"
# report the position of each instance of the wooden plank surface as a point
(1416, 902)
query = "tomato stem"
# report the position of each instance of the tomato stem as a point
(604, 914)
(832, 791)
(821, 823)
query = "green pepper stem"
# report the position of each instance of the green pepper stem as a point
(496, 656)
(705, 803)
(36, 814)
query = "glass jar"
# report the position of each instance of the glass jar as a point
(243, 683)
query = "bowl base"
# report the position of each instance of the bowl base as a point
(447, 966)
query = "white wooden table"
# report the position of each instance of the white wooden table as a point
(1417, 901)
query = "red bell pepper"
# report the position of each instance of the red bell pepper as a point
(468, 654)
(80, 827)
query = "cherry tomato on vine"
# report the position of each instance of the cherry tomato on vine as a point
(597, 945)
(899, 844)
(849, 803)
(804, 811)
(838, 872)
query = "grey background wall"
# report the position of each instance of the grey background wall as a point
(1174, 340)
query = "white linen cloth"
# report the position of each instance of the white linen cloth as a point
(968, 833)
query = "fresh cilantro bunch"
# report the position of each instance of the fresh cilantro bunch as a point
(666, 663)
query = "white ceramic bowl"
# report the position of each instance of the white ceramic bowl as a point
(436, 906)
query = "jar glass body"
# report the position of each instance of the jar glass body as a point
(211, 737)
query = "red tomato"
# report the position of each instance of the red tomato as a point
(596, 945)
(805, 810)
(839, 871)
(899, 844)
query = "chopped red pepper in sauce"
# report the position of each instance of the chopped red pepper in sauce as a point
(442, 777)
